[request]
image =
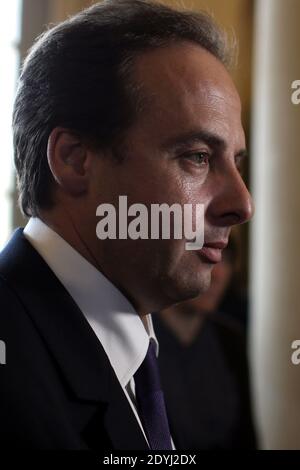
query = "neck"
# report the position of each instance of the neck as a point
(69, 232)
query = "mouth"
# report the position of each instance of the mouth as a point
(211, 252)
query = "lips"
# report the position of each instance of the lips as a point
(212, 251)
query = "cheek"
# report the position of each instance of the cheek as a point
(181, 264)
(149, 178)
(154, 178)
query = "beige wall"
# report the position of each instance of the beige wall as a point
(61, 9)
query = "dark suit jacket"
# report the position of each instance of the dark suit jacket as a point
(57, 389)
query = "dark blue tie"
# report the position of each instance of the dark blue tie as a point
(151, 403)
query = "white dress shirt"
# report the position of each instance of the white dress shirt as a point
(113, 319)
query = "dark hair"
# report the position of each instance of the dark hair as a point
(77, 75)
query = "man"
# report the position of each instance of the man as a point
(126, 98)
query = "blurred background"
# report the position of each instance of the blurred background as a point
(258, 288)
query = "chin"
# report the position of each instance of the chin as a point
(189, 286)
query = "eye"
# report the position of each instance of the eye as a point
(239, 162)
(199, 158)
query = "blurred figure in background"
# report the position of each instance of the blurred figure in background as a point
(204, 367)
(233, 299)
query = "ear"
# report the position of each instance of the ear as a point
(68, 160)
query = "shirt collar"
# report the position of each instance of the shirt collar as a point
(112, 317)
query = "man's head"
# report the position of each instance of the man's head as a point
(133, 98)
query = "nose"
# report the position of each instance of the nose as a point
(232, 203)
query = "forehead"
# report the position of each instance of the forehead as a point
(186, 87)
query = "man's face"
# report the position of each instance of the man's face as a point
(185, 147)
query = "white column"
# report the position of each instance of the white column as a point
(275, 246)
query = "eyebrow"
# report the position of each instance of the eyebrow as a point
(194, 137)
